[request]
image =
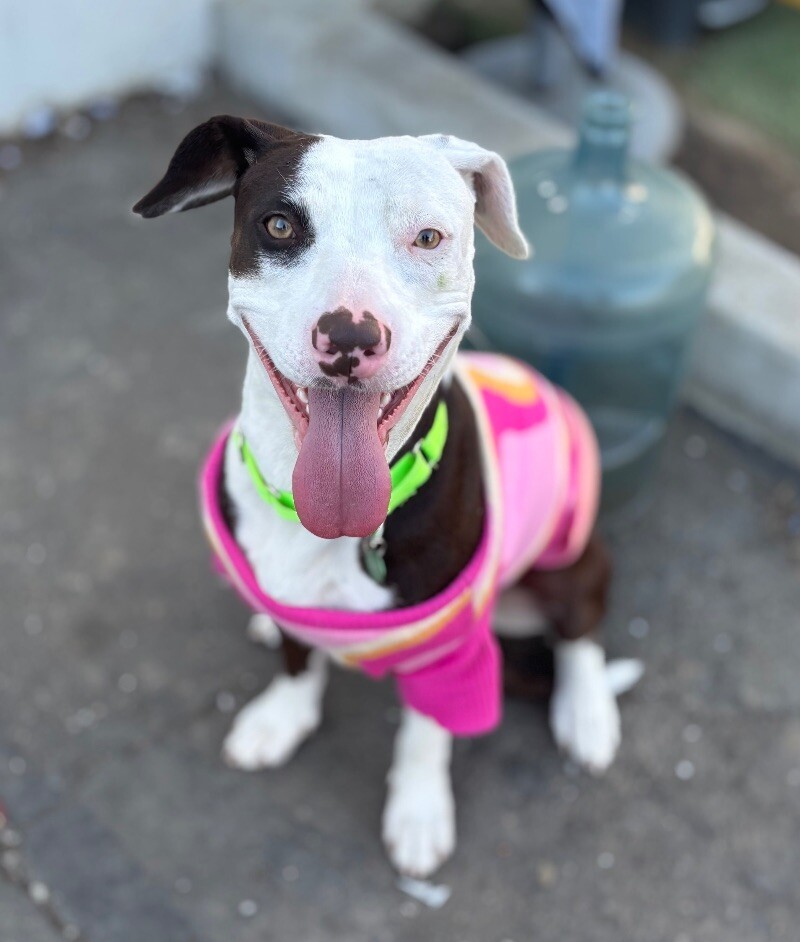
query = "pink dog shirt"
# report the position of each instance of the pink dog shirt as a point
(541, 474)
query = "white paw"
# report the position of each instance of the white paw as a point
(419, 822)
(584, 716)
(268, 731)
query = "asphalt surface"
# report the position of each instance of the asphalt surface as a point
(122, 658)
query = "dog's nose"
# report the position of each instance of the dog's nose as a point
(350, 345)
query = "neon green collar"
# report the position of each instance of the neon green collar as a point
(409, 473)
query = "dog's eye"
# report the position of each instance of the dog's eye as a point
(428, 239)
(279, 227)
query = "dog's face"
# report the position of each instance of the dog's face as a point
(351, 277)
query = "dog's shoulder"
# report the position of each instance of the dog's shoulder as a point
(431, 538)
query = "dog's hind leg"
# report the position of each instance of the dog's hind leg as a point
(584, 716)
(269, 730)
(419, 826)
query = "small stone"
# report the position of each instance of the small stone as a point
(84, 718)
(409, 909)
(290, 873)
(558, 205)
(71, 933)
(10, 157)
(606, 860)
(546, 874)
(695, 447)
(11, 860)
(547, 189)
(17, 765)
(638, 628)
(248, 908)
(723, 643)
(684, 770)
(692, 733)
(39, 893)
(432, 895)
(183, 885)
(127, 683)
(10, 838)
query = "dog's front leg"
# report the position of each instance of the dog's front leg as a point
(419, 828)
(584, 715)
(268, 731)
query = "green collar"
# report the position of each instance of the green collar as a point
(409, 473)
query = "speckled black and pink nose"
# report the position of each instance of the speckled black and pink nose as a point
(353, 346)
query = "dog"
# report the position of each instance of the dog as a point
(356, 497)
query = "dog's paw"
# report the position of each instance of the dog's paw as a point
(269, 730)
(262, 628)
(419, 822)
(584, 716)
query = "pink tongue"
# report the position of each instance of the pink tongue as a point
(341, 481)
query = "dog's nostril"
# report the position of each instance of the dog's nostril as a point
(333, 348)
(369, 353)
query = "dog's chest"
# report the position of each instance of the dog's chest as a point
(292, 565)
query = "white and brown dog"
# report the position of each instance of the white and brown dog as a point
(351, 279)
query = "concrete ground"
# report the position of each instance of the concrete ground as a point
(122, 658)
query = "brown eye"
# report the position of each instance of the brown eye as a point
(279, 227)
(428, 239)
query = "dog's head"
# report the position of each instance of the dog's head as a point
(351, 277)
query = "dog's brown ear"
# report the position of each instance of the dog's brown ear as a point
(495, 201)
(209, 161)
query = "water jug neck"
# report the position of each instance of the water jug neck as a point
(602, 151)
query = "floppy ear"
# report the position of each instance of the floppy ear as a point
(209, 161)
(495, 202)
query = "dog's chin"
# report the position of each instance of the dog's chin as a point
(341, 480)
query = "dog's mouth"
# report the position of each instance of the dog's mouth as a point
(341, 481)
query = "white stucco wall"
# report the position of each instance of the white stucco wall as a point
(64, 53)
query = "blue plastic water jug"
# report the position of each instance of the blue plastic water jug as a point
(623, 253)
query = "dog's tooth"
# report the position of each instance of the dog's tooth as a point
(385, 398)
(302, 394)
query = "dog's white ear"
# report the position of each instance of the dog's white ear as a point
(495, 202)
(209, 161)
